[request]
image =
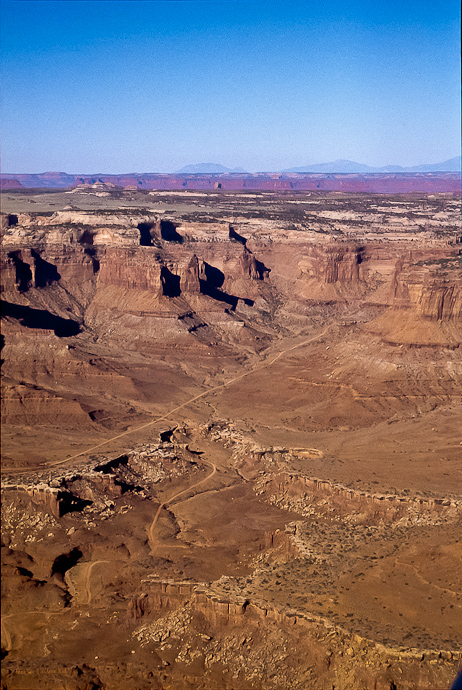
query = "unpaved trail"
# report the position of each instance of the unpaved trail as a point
(7, 643)
(87, 576)
(221, 386)
(6, 637)
(173, 498)
(419, 576)
(81, 580)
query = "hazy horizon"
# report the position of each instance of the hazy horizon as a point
(173, 172)
(155, 86)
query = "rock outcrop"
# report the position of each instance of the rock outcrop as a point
(302, 494)
(10, 183)
(386, 183)
(339, 264)
(430, 287)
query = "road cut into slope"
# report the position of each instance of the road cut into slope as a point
(222, 386)
(173, 498)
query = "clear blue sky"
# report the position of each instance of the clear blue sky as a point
(123, 86)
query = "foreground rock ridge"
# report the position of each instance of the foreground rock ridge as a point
(231, 439)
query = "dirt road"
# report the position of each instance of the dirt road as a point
(6, 637)
(88, 572)
(173, 498)
(221, 386)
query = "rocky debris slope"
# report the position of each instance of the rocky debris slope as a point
(319, 600)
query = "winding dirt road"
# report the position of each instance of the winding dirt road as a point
(88, 572)
(173, 498)
(7, 643)
(6, 637)
(221, 386)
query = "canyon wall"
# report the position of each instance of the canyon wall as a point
(301, 494)
(383, 183)
(142, 264)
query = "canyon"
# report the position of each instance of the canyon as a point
(231, 435)
(382, 183)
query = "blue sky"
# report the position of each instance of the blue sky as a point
(123, 86)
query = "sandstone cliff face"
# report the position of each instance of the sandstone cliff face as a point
(26, 268)
(425, 300)
(134, 268)
(385, 183)
(431, 287)
(25, 405)
(190, 277)
(302, 493)
(209, 267)
(159, 596)
(255, 269)
(10, 183)
(339, 264)
(441, 301)
(281, 644)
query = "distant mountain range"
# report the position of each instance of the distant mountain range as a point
(338, 166)
(207, 168)
(346, 166)
(340, 175)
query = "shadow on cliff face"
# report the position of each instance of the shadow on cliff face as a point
(255, 269)
(65, 562)
(44, 272)
(112, 467)
(233, 235)
(86, 237)
(166, 436)
(91, 252)
(170, 283)
(262, 270)
(211, 283)
(213, 276)
(219, 295)
(39, 318)
(109, 467)
(70, 503)
(168, 232)
(145, 234)
(23, 272)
